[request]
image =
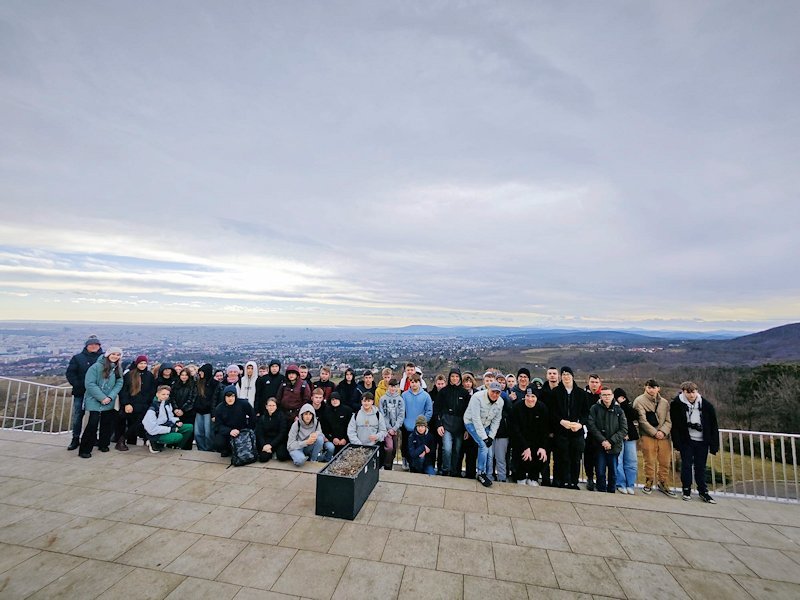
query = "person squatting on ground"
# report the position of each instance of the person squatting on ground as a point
(271, 433)
(420, 448)
(367, 427)
(162, 426)
(530, 431)
(306, 442)
(481, 420)
(230, 417)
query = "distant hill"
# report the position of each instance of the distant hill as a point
(779, 344)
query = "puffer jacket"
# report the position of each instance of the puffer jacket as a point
(141, 401)
(98, 388)
(608, 424)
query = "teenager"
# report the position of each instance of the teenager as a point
(451, 402)
(530, 431)
(246, 388)
(203, 407)
(183, 398)
(569, 415)
(383, 385)
(293, 393)
(655, 426)
(337, 419)
(417, 402)
(76, 374)
(366, 386)
(367, 427)
(163, 426)
(230, 417)
(607, 427)
(481, 420)
(628, 461)
(324, 383)
(420, 448)
(166, 374)
(393, 409)
(347, 387)
(267, 385)
(469, 449)
(271, 433)
(103, 382)
(135, 397)
(306, 440)
(590, 451)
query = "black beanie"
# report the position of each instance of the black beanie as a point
(567, 370)
(524, 371)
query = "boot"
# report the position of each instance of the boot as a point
(121, 445)
(74, 443)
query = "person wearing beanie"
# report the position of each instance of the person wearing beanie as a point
(420, 448)
(448, 418)
(336, 420)
(628, 461)
(135, 397)
(231, 379)
(517, 392)
(569, 414)
(267, 386)
(76, 373)
(103, 383)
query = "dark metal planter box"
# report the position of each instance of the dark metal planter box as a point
(342, 496)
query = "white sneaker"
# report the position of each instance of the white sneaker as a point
(523, 482)
(622, 490)
(631, 491)
(533, 483)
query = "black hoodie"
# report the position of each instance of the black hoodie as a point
(267, 387)
(161, 380)
(347, 390)
(451, 403)
(206, 390)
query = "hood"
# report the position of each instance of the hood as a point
(255, 369)
(620, 392)
(454, 371)
(230, 388)
(294, 368)
(274, 361)
(307, 408)
(207, 370)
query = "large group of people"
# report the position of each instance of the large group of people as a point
(510, 428)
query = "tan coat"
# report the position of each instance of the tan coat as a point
(660, 405)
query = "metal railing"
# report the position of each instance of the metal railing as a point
(33, 406)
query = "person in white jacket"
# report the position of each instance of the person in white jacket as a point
(161, 425)
(481, 420)
(246, 387)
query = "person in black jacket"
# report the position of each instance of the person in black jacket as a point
(608, 427)
(166, 375)
(183, 397)
(695, 433)
(530, 437)
(138, 391)
(448, 419)
(204, 406)
(590, 452)
(346, 388)
(569, 415)
(267, 386)
(271, 432)
(230, 417)
(335, 422)
(628, 460)
(76, 373)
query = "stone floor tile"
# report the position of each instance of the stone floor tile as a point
(764, 589)
(253, 594)
(232, 494)
(241, 475)
(640, 580)
(39, 523)
(509, 506)
(602, 516)
(424, 496)
(102, 505)
(650, 548)
(539, 534)
(700, 585)
(257, 566)
(108, 547)
(705, 528)
(87, 580)
(793, 554)
(554, 510)
(202, 589)
(312, 533)
(327, 570)
(35, 573)
(596, 541)
(358, 540)
(71, 535)
(128, 481)
(490, 528)
(303, 505)
(793, 533)
(266, 528)
(195, 490)
(466, 501)
(767, 563)
(12, 485)
(524, 565)
(758, 534)
(709, 556)
(389, 492)
(441, 520)
(369, 579)
(158, 550)
(424, 583)
(304, 482)
(411, 548)
(206, 558)
(142, 510)
(206, 470)
(12, 514)
(468, 557)
(162, 486)
(583, 573)
(366, 512)
(36, 495)
(395, 516)
(223, 521)
(271, 500)
(142, 584)
(772, 513)
(274, 479)
(182, 515)
(536, 592)
(649, 521)
(480, 588)
(10, 556)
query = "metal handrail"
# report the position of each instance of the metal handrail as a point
(35, 406)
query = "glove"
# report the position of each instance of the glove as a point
(488, 442)
(171, 425)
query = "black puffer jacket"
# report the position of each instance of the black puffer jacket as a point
(335, 421)
(206, 390)
(76, 370)
(272, 430)
(608, 424)
(267, 387)
(142, 400)
(183, 397)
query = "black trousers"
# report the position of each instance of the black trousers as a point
(105, 419)
(279, 453)
(129, 426)
(529, 469)
(693, 459)
(569, 451)
(590, 458)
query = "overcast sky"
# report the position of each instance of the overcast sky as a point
(364, 163)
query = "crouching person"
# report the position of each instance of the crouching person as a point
(161, 425)
(306, 440)
(608, 427)
(230, 417)
(367, 427)
(530, 432)
(420, 445)
(271, 433)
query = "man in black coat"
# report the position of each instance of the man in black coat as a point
(569, 415)
(76, 374)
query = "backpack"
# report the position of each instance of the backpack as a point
(243, 448)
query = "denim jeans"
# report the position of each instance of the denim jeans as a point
(203, 434)
(485, 454)
(451, 452)
(606, 463)
(77, 416)
(313, 452)
(627, 465)
(693, 458)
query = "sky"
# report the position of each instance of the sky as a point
(581, 164)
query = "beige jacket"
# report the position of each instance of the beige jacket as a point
(660, 405)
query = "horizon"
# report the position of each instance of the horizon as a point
(362, 164)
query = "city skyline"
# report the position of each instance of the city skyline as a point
(362, 164)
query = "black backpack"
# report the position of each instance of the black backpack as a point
(243, 448)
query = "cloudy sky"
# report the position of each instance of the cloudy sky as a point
(393, 163)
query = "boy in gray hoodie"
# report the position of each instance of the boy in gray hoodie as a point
(393, 409)
(306, 440)
(367, 427)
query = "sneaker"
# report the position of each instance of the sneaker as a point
(151, 447)
(590, 485)
(523, 482)
(665, 490)
(648, 488)
(533, 483)
(706, 497)
(622, 490)
(485, 481)
(405, 465)
(631, 491)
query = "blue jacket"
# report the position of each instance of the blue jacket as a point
(416, 405)
(98, 389)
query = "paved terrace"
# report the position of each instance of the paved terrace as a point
(180, 525)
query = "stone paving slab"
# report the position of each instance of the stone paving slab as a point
(182, 524)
